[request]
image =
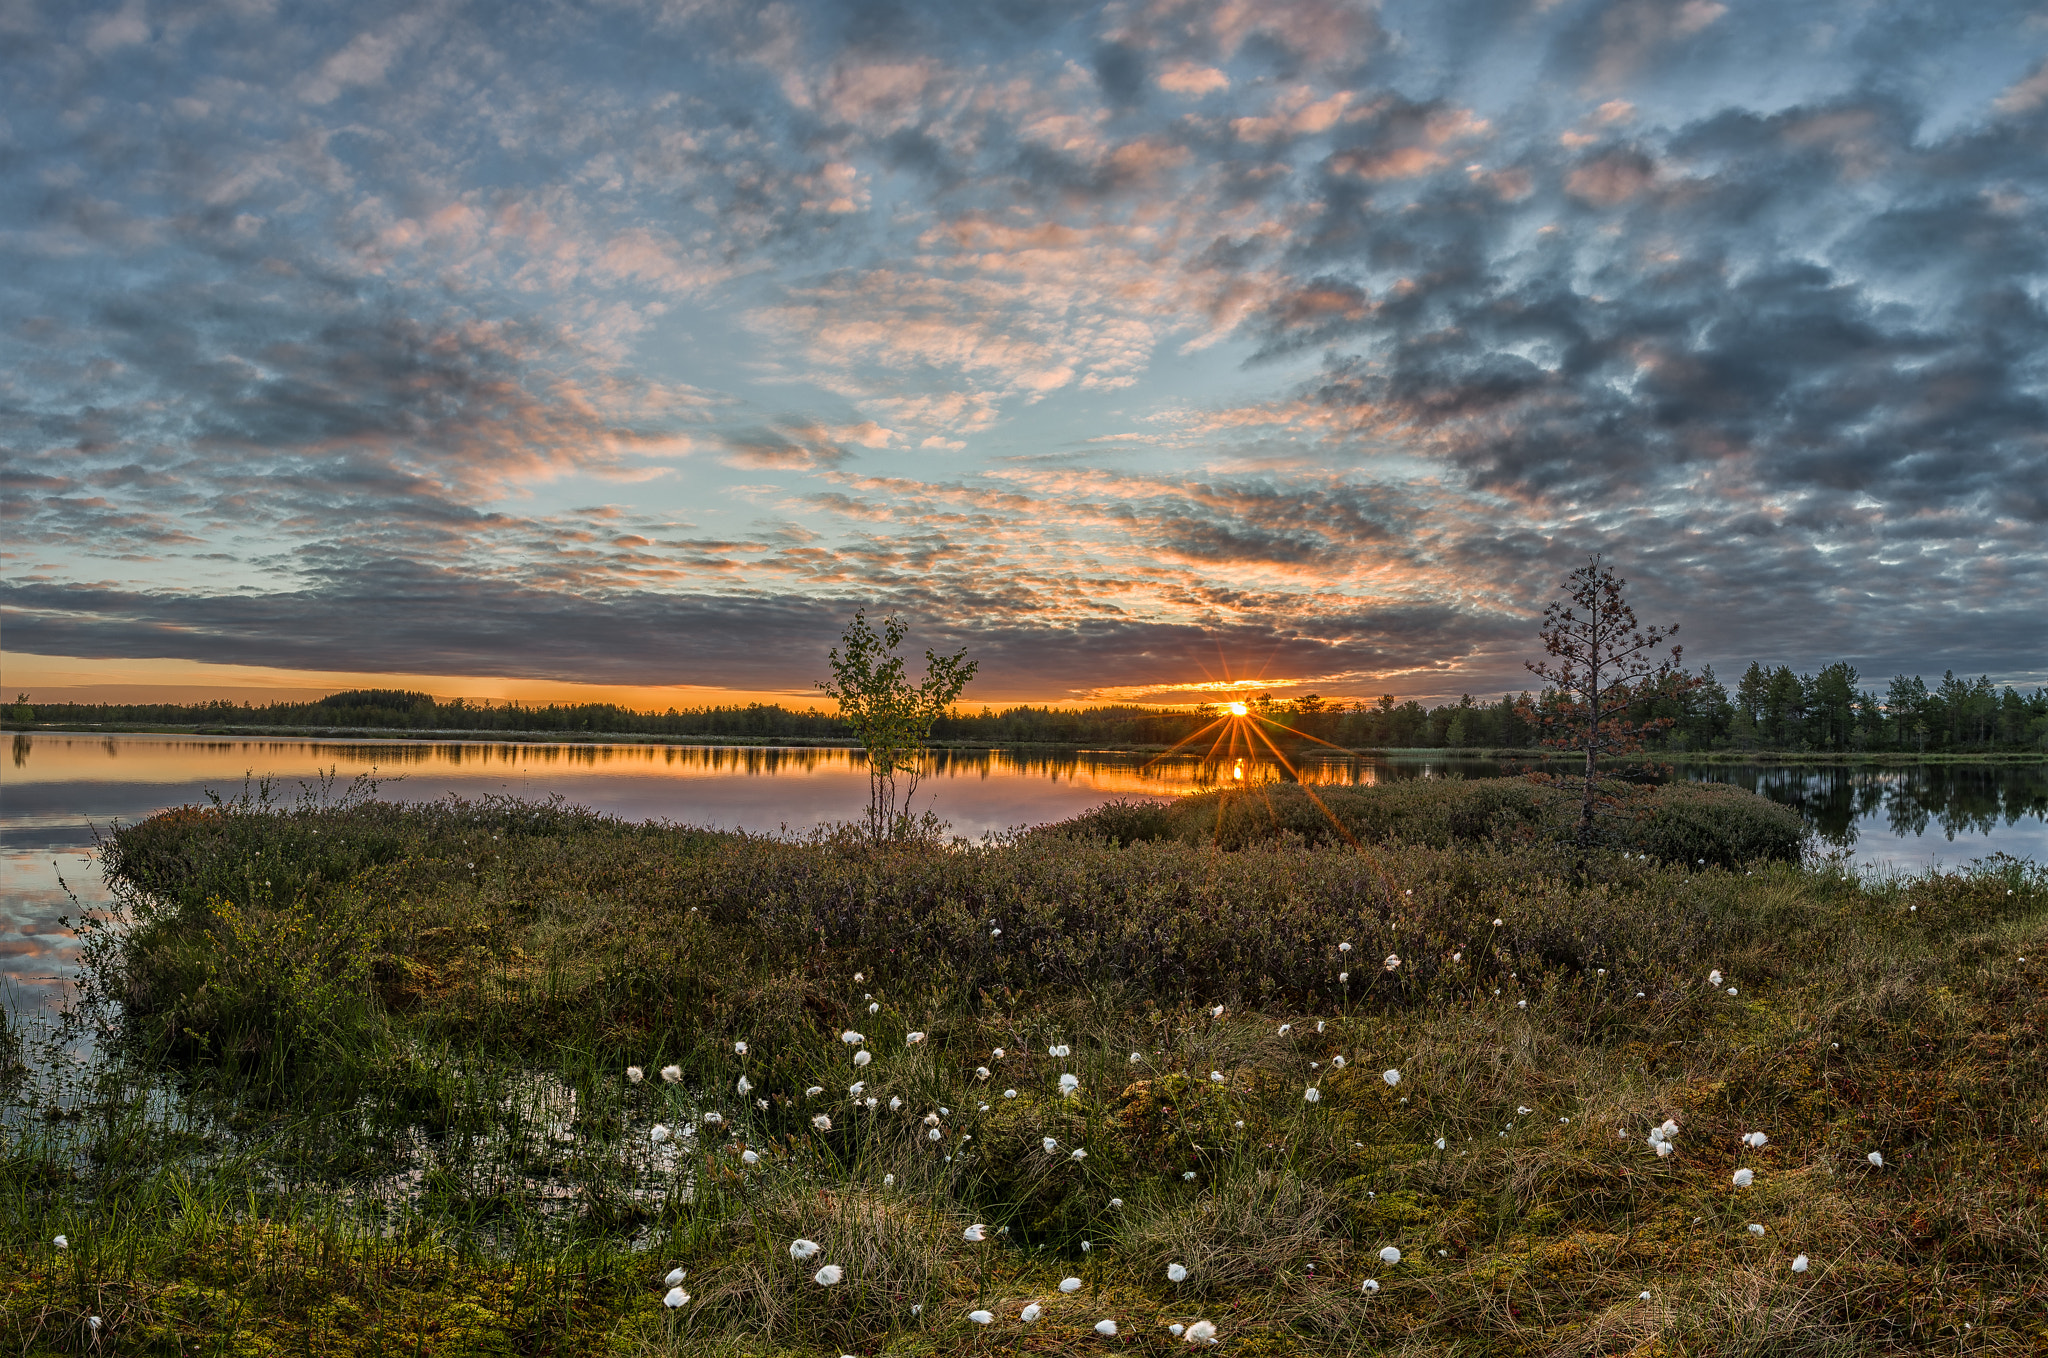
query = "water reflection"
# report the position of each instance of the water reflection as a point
(60, 785)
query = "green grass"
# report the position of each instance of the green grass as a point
(367, 1089)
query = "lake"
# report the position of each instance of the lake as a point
(57, 787)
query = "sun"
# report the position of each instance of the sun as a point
(1237, 709)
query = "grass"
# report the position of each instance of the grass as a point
(365, 1090)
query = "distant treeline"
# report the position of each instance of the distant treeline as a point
(1769, 709)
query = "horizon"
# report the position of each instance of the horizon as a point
(1142, 351)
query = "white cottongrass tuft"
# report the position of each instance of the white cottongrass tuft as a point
(745, 1086)
(975, 1234)
(1714, 977)
(1337, 1062)
(888, 1181)
(676, 1297)
(1216, 1077)
(1744, 1178)
(1393, 962)
(828, 1276)
(739, 1049)
(1369, 1286)
(814, 1091)
(933, 1135)
(1078, 1154)
(1176, 1273)
(1343, 977)
(1755, 1229)
(1440, 1144)
(981, 1317)
(750, 1157)
(1642, 1296)
(851, 1038)
(61, 1242)
(1050, 1145)
(1799, 1265)
(672, 1074)
(1009, 1093)
(874, 1007)
(675, 1277)
(635, 1075)
(1312, 1095)
(1189, 1176)
(1070, 1285)
(1343, 947)
(1392, 1077)
(1070, 1085)
(997, 1053)
(823, 1122)
(1390, 1255)
(912, 1039)
(862, 1057)
(1217, 1012)
(1755, 1139)
(801, 1249)
(1106, 1328)
(981, 1072)
(1061, 1050)
(658, 1133)
(1285, 1029)
(1201, 1332)
(1136, 1058)
(1031, 1313)
(1175, 1329)
(1876, 1158)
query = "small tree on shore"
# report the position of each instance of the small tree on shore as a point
(1600, 663)
(891, 716)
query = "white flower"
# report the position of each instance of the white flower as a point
(975, 1234)
(1731, 990)
(1309, 1095)
(1031, 1313)
(1440, 1143)
(61, 1242)
(1393, 962)
(1175, 1330)
(1755, 1229)
(1201, 1332)
(1392, 1077)
(851, 1038)
(1744, 1178)
(1337, 1063)
(1714, 977)
(1217, 1012)
(676, 1297)
(857, 1088)
(1390, 1255)
(995, 933)
(860, 976)
(814, 1091)
(1189, 1176)
(1070, 1085)
(1370, 1286)
(1285, 1029)
(635, 1074)
(801, 1249)
(1058, 1049)
(1642, 1296)
(1344, 947)
(1343, 977)
(1669, 1128)
(997, 1053)
(658, 1133)
(874, 1007)
(750, 1158)
(1135, 1058)
(980, 1317)
(1079, 1154)
(888, 1180)
(933, 1135)
(675, 1276)
(895, 1103)
(823, 1122)
(739, 1049)
(672, 1074)
(871, 1101)
(1755, 1139)
(1496, 924)
(981, 1072)
(1665, 1148)
(94, 1321)
(1116, 1202)
(1799, 1264)
(828, 1275)
(1087, 1245)
(1106, 1328)
(1009, 1093)
(745, 1085)
(1050, 1145)
(1176, 1273)
(1876, 1158)
(862, 1057)
(1216, 1077)
(912, 1039)
(1070, 1285)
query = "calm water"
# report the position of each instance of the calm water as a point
(57, 787)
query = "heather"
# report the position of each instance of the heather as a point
(367, 1087)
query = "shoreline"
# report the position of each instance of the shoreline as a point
(1876, 758)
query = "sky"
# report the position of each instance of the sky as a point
(628, 347)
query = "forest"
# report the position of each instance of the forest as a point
(1767, 709)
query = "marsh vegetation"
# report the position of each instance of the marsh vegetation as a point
(1381, 1079)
